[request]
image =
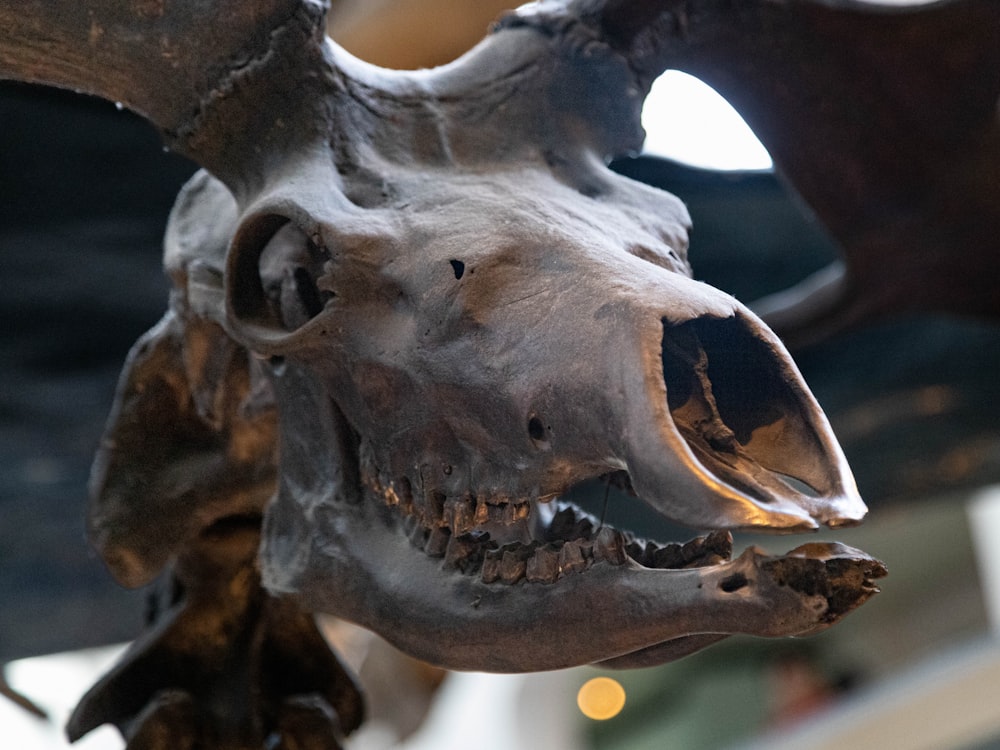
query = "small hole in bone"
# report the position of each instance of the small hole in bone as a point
(732, 583)
(458, 267)
(536, 430)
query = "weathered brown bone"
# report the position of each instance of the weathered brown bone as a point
(225, 661)
(462, 314)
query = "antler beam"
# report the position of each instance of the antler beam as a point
(181, 65)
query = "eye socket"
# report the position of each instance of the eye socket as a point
(279, 277)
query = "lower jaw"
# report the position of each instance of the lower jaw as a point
(558, 592)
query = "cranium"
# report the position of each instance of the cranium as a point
(461, 314)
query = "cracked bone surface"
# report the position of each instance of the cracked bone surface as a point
(449, 312)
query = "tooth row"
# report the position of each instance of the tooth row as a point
(571, 523)
(537, 562)
(708, 550)
(460, 515)
(546, 563)
(448, 528)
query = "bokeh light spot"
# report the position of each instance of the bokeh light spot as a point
(601, 698)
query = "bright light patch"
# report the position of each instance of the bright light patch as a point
(686, 120)
(601, 698)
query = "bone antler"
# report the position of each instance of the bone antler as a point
(184, 66)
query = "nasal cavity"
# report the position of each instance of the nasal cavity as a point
(722, 382)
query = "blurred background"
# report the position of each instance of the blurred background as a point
(84, 194)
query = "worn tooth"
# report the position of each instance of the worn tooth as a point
(496, 513)
(637, 552)
(433, 509)
(693, 549)
(463, 552)
(721, 543)
(437, 542)
(543, 566)
(512, 565)
(715, 548)
(458, 516)
(583, 529)
(649, 553)
(668, 557)
(514, 512)
(562, 523)
(571, 558)
(610, 545)
(482, 514)
(465, 519)
(491, 565)
(497, 499)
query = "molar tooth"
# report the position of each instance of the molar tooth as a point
(432, 508)
(710, 550)
(562, 523)
(571, 558)
(463, 552)
(514, 512)
(491, 565)
(610, 545)
(512, 565)
(584, 529)
(543, 566)
(649, 552)
(668, 557)
(458, 515)
(692, 549)
(482, 514)
(637, 552)
(721, 543)
(437, 543)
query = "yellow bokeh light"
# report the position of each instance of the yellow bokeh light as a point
(601, 698)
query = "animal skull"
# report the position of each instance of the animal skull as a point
(460, 313)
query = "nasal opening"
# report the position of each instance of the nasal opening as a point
(728, 395)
